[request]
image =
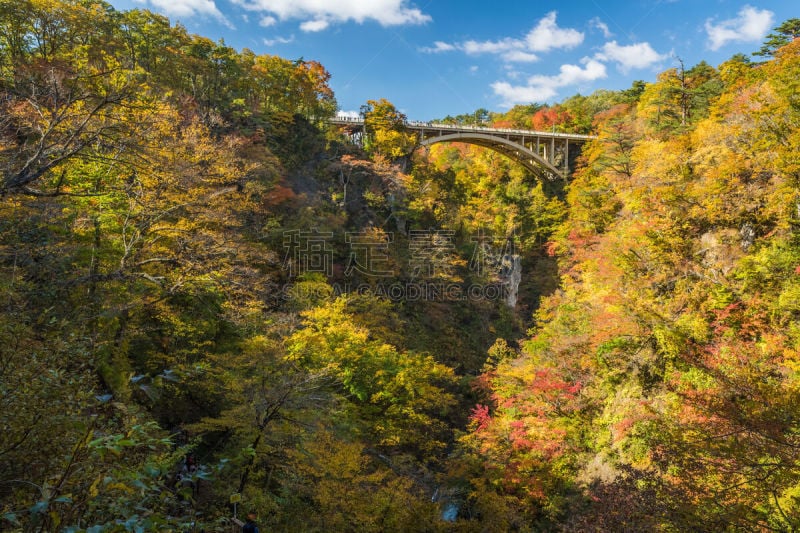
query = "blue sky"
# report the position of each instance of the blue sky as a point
(433, 58)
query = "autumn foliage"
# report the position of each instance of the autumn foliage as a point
(665, 365)
(164, 346)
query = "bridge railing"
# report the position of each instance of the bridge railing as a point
(486, 129)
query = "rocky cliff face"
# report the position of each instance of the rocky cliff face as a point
(512, 268)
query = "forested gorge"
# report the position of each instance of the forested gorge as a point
(167, 349)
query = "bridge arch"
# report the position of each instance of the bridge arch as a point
(513, 150)
(545, 153)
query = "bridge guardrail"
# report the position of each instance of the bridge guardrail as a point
(485, 129)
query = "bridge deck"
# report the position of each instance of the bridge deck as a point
(456, 128)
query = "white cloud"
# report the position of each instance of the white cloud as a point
(267, 21)
(317, 15)
(190, 8)
(546, 35)
(540, 88)
(278, 40)
(543, 37)
(518, 94)
(314, 25)
(639, 55)
(751, 25)
(490, 47)
(473, 69)
(572, 74)
(602, 26)
(518, 56)
(512, 73)
(510, 50)
(438, 47)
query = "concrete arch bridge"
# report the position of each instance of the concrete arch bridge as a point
(545, 153)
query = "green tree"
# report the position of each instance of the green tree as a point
(780, 36)
(386, 130)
